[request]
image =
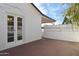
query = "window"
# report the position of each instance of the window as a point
(19, 28)
(10, 21)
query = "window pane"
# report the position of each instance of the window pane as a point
(10, 21)
(19, 28)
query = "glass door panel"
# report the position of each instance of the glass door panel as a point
(10, 21)
(19, 28)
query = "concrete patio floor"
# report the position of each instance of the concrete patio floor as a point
(44, 47)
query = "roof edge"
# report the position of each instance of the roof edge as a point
(41, 12)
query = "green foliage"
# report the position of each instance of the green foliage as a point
(67, 21)
(73, 14)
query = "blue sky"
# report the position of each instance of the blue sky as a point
(54, 10)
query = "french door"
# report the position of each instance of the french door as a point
(14, 24)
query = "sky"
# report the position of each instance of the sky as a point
(53, 10)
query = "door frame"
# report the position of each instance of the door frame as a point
(15, 42)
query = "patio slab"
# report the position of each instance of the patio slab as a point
(44, 47)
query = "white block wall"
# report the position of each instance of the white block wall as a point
(62, 32)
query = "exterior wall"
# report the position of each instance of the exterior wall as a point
(62, 32)
(31, 23)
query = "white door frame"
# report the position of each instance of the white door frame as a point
(15, 42)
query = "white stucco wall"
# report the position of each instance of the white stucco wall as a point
(31, 23)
